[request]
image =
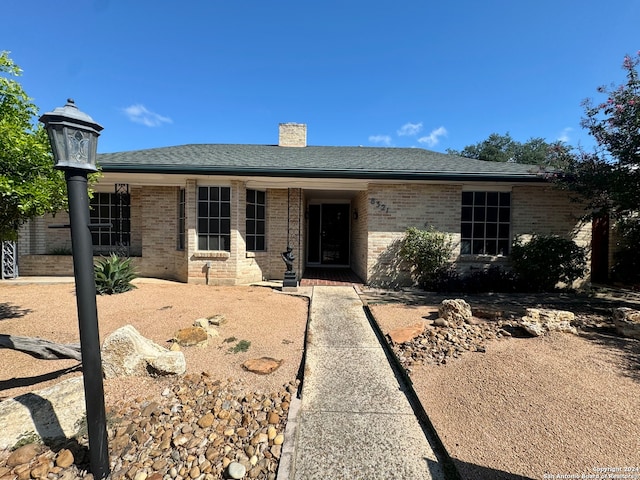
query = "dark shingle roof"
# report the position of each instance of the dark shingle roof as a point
(313, 162)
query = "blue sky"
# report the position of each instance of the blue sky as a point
(433, 75)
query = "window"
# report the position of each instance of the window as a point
(114, 209)
(256, 218)
(486, 222)
(214, 218)
(181, 220)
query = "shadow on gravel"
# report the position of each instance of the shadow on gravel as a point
(28, 381)
(600, 301)
(8, 311)
(470, 471)
(627, 349)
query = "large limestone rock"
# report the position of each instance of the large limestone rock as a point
(127, 353)
(455, 311)
(627, 322)
(539, 321)
(53, 413)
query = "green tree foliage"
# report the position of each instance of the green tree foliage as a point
(29, 185)
(608, 179)
(503, 148)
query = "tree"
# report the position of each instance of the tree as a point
(29, 185)
(503, 148)
(609, 178)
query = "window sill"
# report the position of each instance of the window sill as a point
(483, 258)
(212, 254)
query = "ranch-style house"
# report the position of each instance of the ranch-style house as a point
(224, 214)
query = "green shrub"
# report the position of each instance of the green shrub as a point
(546, 260)
(114, 274)
(428, 251)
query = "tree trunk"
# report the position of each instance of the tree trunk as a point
(40, 348)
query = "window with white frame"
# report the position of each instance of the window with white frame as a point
(180, 244)
(486, 223)
(256, 220)
(214, 218)
(107, 209)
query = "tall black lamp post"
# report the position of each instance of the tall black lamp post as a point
(74, 141)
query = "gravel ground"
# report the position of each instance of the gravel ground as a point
(273, 322)
(215, 417)
(528, 407)
(543, 407)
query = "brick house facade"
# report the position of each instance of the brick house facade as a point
(223, 214)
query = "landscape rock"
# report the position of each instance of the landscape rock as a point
(125, 352)
(627, 322)
(206, 324)
(217, 320)
(50, 414)
(194, 429)
(455, 311)
(236, 470)
(539, 321)
(440, 322)
(190, 336)
(64, 458)
(169, 363)
(24, 454)
(263, 365)
(406, 334)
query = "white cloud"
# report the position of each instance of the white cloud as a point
(564, 135)
(433, 138)
(410, 129)
(383, 139)
(139, 114)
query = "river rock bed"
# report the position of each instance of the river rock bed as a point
(199, 428)
(443, 341)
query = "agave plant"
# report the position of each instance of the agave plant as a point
(114, 274)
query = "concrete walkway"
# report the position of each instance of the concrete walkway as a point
(354, 422)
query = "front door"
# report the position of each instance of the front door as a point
(328, 234)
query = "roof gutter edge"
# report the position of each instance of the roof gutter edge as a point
(348, 174)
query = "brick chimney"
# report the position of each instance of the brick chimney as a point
(292, 135)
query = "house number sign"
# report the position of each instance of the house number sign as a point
(379, 205)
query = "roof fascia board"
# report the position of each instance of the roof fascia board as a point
(329, 174)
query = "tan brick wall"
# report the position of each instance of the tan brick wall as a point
(548, 211)
(384, 213)
(394, 208)
(359, 234)
(158, 214)
(545, 210)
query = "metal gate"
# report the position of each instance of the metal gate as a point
(9, 260)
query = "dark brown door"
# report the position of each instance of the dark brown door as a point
(600, 249)
(328, 234)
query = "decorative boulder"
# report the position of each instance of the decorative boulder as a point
(539, 321)
(52, 414)
(627, 322)
(455, 311)
(190, 336)
(127, 353)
